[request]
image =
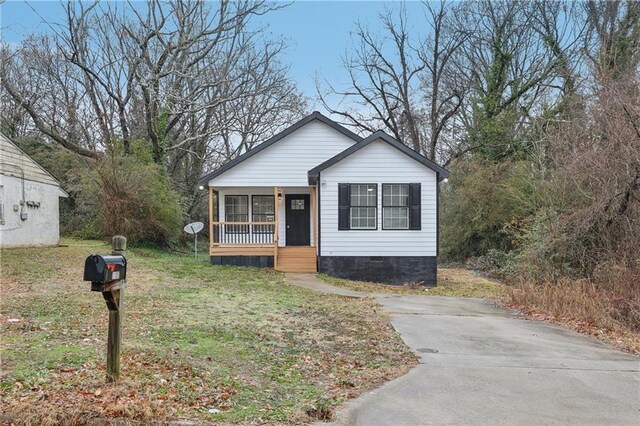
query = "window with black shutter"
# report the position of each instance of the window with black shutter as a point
(357, 206)
(401, 206)
(395, 206)
(363, 205)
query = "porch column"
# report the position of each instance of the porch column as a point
(276, 203)
(211, 220)
(314, 216)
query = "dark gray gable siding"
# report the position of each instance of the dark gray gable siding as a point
(315, 172)
(309, 118)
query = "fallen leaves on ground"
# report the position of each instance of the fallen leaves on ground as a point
(210, 344)
(620, 338)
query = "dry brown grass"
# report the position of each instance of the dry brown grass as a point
(609, 311)
(466, 283)
(454, 282)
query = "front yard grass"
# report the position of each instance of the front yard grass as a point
(211, 344)
(456, 282)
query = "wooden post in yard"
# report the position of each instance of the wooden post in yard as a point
(115, 303)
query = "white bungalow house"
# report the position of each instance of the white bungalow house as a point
(29, 200)
(318, 198)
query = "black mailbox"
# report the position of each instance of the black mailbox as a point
(104, 268)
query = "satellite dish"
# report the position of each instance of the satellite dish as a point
(194, 228)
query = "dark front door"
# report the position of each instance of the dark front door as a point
(298, 222)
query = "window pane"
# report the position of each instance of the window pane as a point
(237, 204)
(395, 195)
(363, 218)
(363, 195)
(297, 204)
(263, 204)
(263, 210)
(236, 210)
(395, 217)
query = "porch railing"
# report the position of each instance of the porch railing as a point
(244, 233)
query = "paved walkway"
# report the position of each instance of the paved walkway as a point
(312, 282)
(483, 365)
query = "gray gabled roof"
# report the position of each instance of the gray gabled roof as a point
(309, 118)
(15, 162)
(315, 172)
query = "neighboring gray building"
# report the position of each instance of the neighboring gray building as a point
(29, 200)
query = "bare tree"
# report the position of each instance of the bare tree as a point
(613, 42)
(562, 27)
(445, 88)
(268, 102)
(171, 78)
(93, 42)
(382, 93)
(38, 79)
(14, 120)
(403, 85)
(273, 103)
(511, 59)
(189, 54)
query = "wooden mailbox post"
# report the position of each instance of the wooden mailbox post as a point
(108, 275)
(115, 302)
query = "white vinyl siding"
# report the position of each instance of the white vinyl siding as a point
(286, 162)
(378, 163)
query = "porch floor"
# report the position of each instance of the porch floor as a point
(297, 259)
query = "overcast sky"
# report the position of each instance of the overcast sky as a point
(318, 32)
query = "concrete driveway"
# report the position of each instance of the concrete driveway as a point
(483, 365)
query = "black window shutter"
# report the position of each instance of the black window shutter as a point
(415, 216)
(343, 206)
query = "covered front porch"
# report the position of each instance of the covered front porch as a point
(264, 227)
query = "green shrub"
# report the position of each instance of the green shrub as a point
(484, 207)
(130, 198)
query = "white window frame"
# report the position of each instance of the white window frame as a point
(369, 187)
(388, 207)
(235, 229)
(263, 229)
